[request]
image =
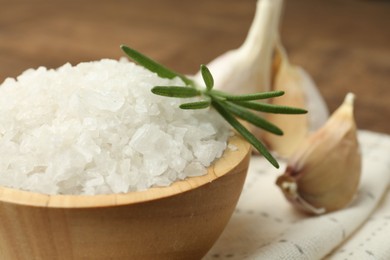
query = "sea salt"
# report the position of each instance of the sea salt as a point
(96, 128)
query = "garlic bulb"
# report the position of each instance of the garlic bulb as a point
(250, 69)
(324, 173)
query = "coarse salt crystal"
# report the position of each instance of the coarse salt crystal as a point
(97, 128)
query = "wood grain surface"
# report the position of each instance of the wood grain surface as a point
(344, 44)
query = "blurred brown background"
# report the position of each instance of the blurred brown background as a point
(344, 44)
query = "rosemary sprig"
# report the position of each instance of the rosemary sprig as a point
(229, 106)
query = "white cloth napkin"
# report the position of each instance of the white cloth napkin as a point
(266, 226)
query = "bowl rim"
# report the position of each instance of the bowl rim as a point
(229, 160)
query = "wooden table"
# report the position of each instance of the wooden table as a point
(344, 44)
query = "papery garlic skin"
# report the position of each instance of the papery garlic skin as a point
(323, 174)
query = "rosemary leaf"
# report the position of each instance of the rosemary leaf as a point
(175, 91)
(207, 77)
(153, 66)
(269, 108)
(253, 118)
(248, 97)
(244, 132)
(196, 105)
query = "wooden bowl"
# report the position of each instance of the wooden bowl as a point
(181, 221)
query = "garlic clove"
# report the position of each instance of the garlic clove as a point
(324, 173)
(300, 91)
(288, 78)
